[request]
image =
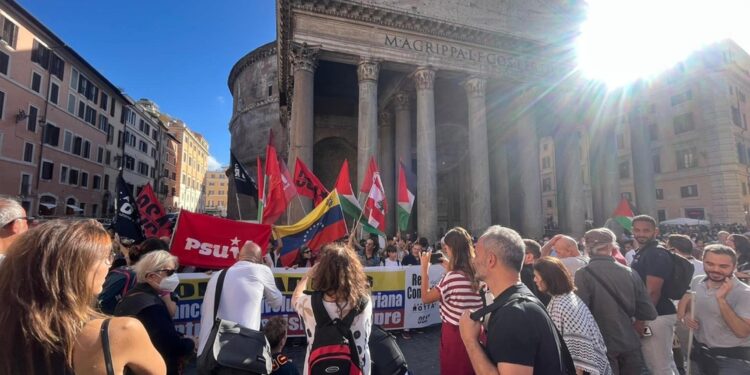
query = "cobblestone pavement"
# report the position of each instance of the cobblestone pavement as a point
(421, 351)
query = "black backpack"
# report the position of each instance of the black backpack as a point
(682, 274)
(385, 354)
(333, 349)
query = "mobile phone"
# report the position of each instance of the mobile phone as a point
(647, 331)
(436, 258)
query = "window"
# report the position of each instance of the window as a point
(659, 194)
(108, 157)
(143, 146)
(662, 214)
(681, 98)
(129, 162)
(10, 32)
(103, 125)
(74, 78)
(110, 134)
(31, 120)
(84, 179)
(77, 145)
(63, 174)
(40, 54)
(86, 149)
(47, 205)
(48, 169)
(90, 115)
(87, 89)
(104, 101)
(94, 209)
(97, 182)
(25, 184)
(744, 188)
(4, 63)
(143, 168)
(657, 163)
(51, 135)
(547, 184)
(737, 117)
(71, 104)
(689, 191)
(99, 155)
(687, 158)
(546, 163)
(624, 169)
(57, 67)
(270, 90)
(73, 177)
(28, 152)
(683, 123)
(549, 203)
(68, 141)
(54, 93)
(82, 206)
(36, 82)
(112, 107)
(106, 182)
(741, 154)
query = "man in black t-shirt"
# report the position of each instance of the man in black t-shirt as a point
(654, 264)
(521, 338)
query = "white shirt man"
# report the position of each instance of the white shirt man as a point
(245, 285)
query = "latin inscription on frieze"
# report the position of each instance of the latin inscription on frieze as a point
(461, 53)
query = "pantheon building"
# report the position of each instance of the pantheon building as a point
(459, 91)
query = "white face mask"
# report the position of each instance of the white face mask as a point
(169, 283)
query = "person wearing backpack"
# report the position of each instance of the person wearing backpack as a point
(337, 313)
(655, 266)
(521, 337)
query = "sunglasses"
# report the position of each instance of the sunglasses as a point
(167, 272)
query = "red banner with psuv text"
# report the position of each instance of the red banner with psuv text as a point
(212, 242)
(154, 220)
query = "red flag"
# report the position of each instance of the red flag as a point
(289, 189)
(307, 184)
(275, 199)
(154, 220)
(212, 242)
(367, 181)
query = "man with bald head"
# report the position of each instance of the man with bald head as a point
(12, 223)
(245, 285)
(566, 249)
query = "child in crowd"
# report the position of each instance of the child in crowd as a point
(275, 331)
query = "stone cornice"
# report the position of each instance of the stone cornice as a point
(262, 52)
(252, 106)
(416, 23)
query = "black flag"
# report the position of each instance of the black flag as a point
(242, 180)
(127, 218)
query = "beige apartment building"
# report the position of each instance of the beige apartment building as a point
(192, 165)
(57, 122)
(217, 189)
(694, 120)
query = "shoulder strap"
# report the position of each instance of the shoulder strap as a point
(104, 334)
(319, 309)
(349, 318)
(217, 292)
(609, 291)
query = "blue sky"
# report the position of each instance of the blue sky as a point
(176, 53)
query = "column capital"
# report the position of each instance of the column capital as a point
(368, 70)
(304, 57)
(424, 78)
(401, 101)
(475, 86)
(385, 118)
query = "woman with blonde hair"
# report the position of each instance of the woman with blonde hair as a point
(149, 302)
(457, 291)
(338, 283)
(48, 286)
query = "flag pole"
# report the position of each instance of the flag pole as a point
(239, 210)
(301, 205)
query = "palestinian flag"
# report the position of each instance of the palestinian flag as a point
(349, 203)
(375, 206)
(405, 198)
(623, 215)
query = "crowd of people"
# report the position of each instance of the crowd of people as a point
(79, 300)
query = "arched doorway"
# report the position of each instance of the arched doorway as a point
(47, 205)
(330, 153)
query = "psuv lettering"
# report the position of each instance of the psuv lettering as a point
(209, 249)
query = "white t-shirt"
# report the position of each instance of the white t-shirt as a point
(241, 298)
(361, 327)
(391, 263)
(697, 267)
(574, 263)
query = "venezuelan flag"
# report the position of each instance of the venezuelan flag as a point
(322, 225)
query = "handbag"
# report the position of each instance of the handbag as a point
(232, 348)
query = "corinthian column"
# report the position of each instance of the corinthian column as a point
(402, 107)
(301, 129)
(572, 220)
(385, 133)
(424, 79)
(479, 170)
(367, 126)
(532, 222)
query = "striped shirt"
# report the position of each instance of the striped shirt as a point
(456, 296)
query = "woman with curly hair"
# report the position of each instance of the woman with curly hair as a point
(457, 291)
(340, 283)
(48, 286)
